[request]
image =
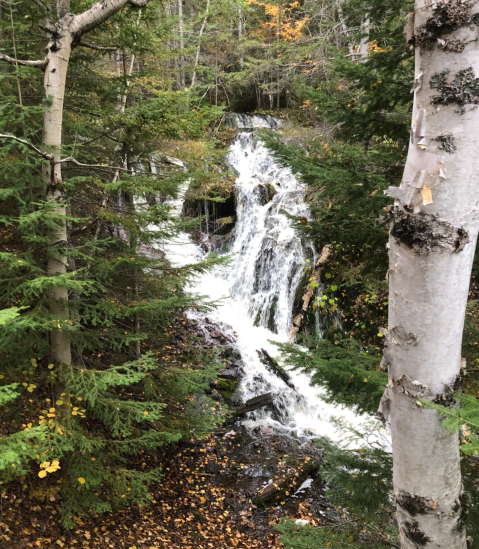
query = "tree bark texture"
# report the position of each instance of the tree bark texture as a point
(58, 51)
(431, 248)
(65, 34)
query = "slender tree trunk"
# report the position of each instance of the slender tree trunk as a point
(364, 44)
(240, 32)
(344, 27)
(431, 249)
(278, 96)
(54, 85)
(182, 44)
(198, 49)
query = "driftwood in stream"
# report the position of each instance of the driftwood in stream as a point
(268, 360)
(286, 484)
(254, 404)
(320, 263)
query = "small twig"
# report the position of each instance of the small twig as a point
(100, 166)
(99, 48)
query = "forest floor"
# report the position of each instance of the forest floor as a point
(205, 500)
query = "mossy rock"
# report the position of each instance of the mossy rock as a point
(226, 388)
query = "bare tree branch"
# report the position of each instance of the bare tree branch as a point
(50, 156)
(100, 12)
(43, 154)
(99, 166)
(41, 63)
(99, 48)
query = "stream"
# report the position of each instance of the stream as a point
(257, 288)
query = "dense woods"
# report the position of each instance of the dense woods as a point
(280, 147)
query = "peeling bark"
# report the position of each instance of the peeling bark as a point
(431, 248)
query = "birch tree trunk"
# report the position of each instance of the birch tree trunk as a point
(65, 33)
(363, 49)
(58, 54)
(431, 248)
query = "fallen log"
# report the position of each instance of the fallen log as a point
(286, 485)
(254, 404)
(320, 263)
(268, 360)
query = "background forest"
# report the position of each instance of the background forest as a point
(146, 110)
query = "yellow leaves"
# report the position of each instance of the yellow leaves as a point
(47, 467)
(81, 480)
(51, 366)
(329, 544)
(34, 362)
(282, 21)
(365, 380)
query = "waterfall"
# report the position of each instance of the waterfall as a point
(269, 257)
(260, 283)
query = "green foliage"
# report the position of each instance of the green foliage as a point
(91, 430)
(464, 416)
(7, 315)
(8, 393)
(360, 479)
(308, 537)
(350, 374)
(359, 485)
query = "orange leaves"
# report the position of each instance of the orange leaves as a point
(282, 21)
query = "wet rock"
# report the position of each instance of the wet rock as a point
(230, 374)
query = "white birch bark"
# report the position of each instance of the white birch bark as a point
(431, 248)
(363, 49)
(65, 34)
(54, 84)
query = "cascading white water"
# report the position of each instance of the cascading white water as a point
(269, 256)
(260, 285)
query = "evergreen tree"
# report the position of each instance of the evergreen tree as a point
(78, 429)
